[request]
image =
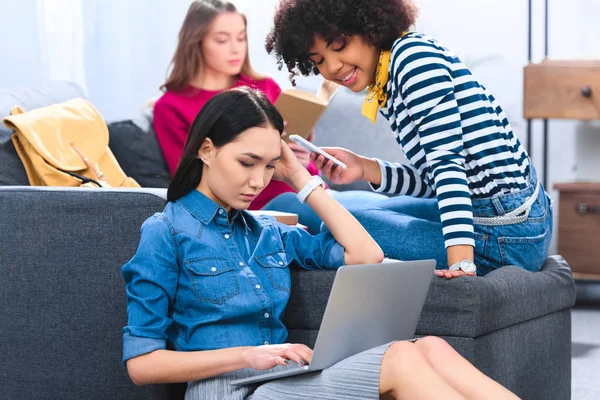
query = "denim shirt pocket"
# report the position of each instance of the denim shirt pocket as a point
(276, 265)
(213, 279)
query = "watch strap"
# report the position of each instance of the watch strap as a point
(312, 184)
(459, 266)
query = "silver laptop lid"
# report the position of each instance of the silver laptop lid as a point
(370, 305)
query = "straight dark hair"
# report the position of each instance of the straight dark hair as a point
(222, 119)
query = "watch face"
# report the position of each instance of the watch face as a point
(468, 266)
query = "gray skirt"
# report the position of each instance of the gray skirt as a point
(356, 377)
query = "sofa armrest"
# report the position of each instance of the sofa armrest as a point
(472, 307)
(62, 302)
(466, 307)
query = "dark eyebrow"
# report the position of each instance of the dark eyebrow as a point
(257, 157)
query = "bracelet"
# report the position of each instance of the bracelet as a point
(314, 183)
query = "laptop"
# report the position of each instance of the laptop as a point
(369, 305)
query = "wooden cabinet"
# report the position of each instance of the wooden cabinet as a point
(562, 89)
(579, 227)
(570, 89)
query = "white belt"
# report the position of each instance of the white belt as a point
(516, 216)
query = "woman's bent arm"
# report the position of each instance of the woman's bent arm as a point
(167, 366)
(359, 246)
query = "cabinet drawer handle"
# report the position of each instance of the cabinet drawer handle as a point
(586, 91)
(583, 208)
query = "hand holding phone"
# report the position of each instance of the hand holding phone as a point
(311, 147)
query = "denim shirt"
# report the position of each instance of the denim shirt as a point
(199, 281)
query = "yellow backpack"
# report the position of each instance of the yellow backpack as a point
(66, 144)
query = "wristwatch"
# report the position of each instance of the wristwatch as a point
(314, 183)
(464, 265)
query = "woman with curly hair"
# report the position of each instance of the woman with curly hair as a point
(470, 198)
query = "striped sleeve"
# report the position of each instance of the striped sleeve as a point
(401, 179)
(423, 80)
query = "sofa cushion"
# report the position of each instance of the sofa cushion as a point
(134, 144)
(28, 98)
(308, 298)
(467, 307)
(12, 172)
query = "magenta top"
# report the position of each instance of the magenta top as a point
(175, 112)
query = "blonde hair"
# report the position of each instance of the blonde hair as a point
(187, 60)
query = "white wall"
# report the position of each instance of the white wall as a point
(118, 50)
(260, 20)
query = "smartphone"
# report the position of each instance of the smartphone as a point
(311, 147)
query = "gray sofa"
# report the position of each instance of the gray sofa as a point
(62, 301)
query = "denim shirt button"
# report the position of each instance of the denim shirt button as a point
(220, 211)
(241, 264)
(266, 315)
(226, 236)
(213, 269)
(280, 262)
(266, 342)
(257, 286)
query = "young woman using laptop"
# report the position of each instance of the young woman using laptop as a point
(211, 282)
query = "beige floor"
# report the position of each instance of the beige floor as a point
(586, 352)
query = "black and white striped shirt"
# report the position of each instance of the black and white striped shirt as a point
(455, 135)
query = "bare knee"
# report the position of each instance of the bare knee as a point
(435, 348)
(400, 351)
(402, 357)
(432, 343)
(398, 364)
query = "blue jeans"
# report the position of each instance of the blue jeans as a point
(409, 228)
(287, 202)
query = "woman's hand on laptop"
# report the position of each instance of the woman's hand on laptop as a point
(353, 172)
(269, 356)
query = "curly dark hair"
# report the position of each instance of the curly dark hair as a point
(297, 22)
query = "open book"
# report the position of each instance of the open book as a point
(302, 109)
(280, 216)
